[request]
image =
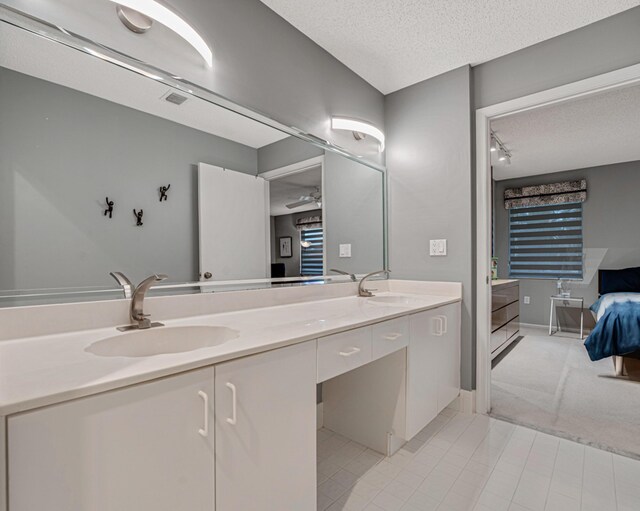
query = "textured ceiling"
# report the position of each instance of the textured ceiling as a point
(396, 43)
(39, 57)
(598, 130)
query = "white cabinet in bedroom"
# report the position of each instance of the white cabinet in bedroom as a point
(433, 365)
(147, 447)
(265, 431)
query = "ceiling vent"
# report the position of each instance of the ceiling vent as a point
(175, 98)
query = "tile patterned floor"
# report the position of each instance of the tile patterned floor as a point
(464, 462)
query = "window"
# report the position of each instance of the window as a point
(311, 256)
(545, 242)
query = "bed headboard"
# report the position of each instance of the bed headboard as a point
(626, 280)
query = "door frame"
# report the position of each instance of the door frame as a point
(296, 168)
(600, 83)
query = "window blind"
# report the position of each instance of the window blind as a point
(311, 256)
(545, 242)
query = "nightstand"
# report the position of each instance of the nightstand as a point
(566, 300)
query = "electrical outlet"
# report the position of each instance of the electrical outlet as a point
(345, 250)
(527, 300)
(437, 247)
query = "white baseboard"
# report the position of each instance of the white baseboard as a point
(465, 402)
(319, 417)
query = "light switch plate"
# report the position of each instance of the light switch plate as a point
(438, 247)
(345, 250)
(527, 300)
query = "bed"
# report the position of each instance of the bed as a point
(617, 330)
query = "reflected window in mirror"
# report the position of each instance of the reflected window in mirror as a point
(311, 252)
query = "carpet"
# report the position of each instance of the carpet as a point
(549, 383)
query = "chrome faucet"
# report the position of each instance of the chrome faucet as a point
(367, 292)
(125, 283)
(140, 320)
(351, 275)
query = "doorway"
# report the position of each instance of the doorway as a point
(484, 218)
(296, 209)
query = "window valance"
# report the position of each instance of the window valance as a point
(309, 222)
(546, 195)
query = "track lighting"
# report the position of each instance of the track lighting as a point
(504, 155)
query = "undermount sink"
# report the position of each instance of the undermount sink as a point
(400, 300)
(162, 340)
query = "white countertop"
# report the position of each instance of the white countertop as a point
(43, 370)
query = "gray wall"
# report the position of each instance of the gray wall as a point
(62, 152)
(286, 152)
(604, 46)
(610, 227)
(429, 162)
(352, 197)
(285, 225)
(260, 60)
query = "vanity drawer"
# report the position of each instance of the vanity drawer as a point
(390, 336)
(342, 352)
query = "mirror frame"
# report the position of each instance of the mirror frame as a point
(60, 35)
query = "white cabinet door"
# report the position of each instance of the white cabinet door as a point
(424, 356)
(142, 448)
(433, 365)
(449, 378)
(265, 431)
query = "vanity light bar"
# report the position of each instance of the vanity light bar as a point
(344, 123)
(171, 20)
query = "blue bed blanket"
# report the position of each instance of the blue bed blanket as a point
(617, 332)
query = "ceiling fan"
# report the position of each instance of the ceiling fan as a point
(307, 199)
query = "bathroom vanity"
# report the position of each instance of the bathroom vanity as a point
(119, 168)
(229, 426)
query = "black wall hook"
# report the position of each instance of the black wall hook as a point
(138, 216)
(109, 210)
(163, 192)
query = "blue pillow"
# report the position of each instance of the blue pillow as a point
(620, 281)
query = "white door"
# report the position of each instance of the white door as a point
(424, 356)
(449, 381)
(142, 448)
(233, 219)
(266, 430)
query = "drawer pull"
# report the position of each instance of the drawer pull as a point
(352, 351)
(393, 337)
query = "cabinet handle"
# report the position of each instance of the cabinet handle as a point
(393, 337)
(353, 351)
(438, 325)
(233, 419)
(445, 324)
(205, 405)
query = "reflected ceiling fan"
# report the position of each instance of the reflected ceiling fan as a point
(307, 199)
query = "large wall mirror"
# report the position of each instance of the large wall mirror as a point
(105, 168)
